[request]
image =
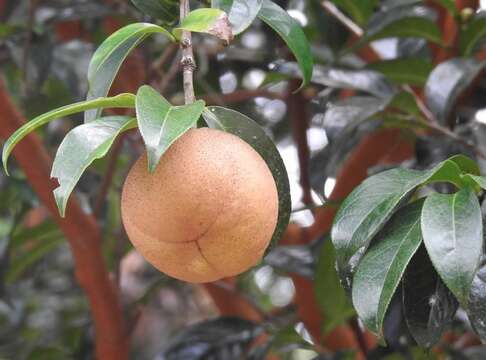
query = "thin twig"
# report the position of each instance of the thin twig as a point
(171, 73)
(188, 63)
(339, 15)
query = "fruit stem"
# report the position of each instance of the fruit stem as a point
(188, 63)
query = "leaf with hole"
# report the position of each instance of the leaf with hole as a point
(293, 35)
(161, 124)
(81, 146)
(447, 82)
(241, 13)
(428, 306)
(381, 269)
(108, 58)
(453, 235)
(119, 101)
(207, 20)
(245, 128)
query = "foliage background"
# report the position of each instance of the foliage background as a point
(331, 135)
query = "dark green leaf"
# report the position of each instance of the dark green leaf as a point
(410, 21)
(371, 204)
(81, 146)
(241, 13)
(354, 109)
(466, 164)
(218, 339)
(290, 31)
(330, 295)
(358, 10)
(477, 302)
(428, 306)
(109, 57)
(297, 259)
(453, 235)
(363, 80)
(446, 82)
(390, 4)
(206, 20)
(119, 101)
(475, 181)
(412, 71)
(242, 126)
(161, 124)
(472, 33)
(165, 10)
(381, 269)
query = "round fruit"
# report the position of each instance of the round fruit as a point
(207, 212)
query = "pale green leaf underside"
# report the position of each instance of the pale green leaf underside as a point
(161, 124)
(108, 58)
(81, 146)
(119, 101)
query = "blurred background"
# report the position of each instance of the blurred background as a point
(45, 49)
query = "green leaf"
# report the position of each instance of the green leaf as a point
(119, 101)
(81, 146)
(161, 124)
(472, 33)
(108, 58)
(383, 265)
(330, 295)
(207, 20)
(412, 71)
(165, 10)
(428, 306)
(371, 204)
(360, 10)
(290, 31)
(476, 311)
(453, 235)
(475, 181)
(242, 126)
(241, 13)
(447, 82)
(466, 164)
(410, 21)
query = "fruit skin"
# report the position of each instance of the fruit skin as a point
(207, 212)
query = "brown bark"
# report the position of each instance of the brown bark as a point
(81, 232)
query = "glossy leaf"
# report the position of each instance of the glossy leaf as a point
(369, 81)
(476, 311)
(412, 71)
(428, 306)
(472, 33)
(218, 339)
(371, 204)
(358, 10)
(119, 101)
(291, 32)
(381, 269)
(453, 235)
(354, 109)
(161, 124)
(241, 13)
(242, 126)
(108, 58)
(475, 181)
(206, 20)
(297, 259)
(331, 297)
(81, 146)
(165, 10)
(446, 83)
(407, 21)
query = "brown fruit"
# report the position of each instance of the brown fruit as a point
(207, 212)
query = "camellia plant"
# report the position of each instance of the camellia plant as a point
(194, 252)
